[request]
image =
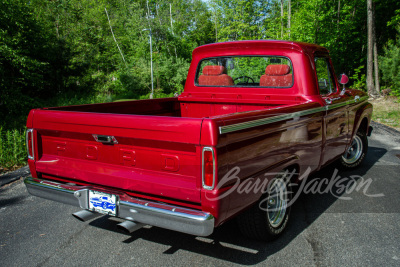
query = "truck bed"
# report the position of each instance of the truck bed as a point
(158, 153)
(187, 105)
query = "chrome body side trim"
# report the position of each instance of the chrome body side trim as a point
(283, 117)
(162, 215)
(255, 123)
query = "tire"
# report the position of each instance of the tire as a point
(356, 152)
(267, 219)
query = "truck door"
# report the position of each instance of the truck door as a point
(336, 124)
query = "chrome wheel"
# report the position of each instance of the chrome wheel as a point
(269, 217)
(277, 203)
(354, 152)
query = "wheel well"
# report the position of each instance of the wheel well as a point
(363, 126)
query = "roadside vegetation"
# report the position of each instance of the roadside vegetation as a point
(67, 52)
(12, 149)
(387, 111)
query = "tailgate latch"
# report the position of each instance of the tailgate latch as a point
(105, 139)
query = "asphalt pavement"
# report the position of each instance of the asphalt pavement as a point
(357, 227)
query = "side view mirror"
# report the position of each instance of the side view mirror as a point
(343, 79)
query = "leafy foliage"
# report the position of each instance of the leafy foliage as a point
(12, 148)
(54, 49)
(29, 62)
(359, 80)
(338, 25)
(390, 65)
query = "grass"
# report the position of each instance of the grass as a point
(12, 149)
(387, 111)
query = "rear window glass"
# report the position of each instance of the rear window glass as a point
(245, 71)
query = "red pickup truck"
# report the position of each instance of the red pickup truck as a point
(249, 109)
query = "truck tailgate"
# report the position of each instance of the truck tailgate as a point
(154, 155)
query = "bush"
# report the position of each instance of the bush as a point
(12, 148)
(390, 65)
(358, 78)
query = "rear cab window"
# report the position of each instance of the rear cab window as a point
(245, 71)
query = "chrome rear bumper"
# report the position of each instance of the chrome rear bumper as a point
(175, 218)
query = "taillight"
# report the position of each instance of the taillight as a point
(30, 144)
(208, 168)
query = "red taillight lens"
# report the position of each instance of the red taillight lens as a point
(208, 168)
(29, 143)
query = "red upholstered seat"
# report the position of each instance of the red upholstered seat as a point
(215, 75)
(276, 76)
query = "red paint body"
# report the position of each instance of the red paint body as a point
(159, 151)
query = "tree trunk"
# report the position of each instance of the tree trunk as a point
(289, 15)
(216, 29)
(376, 68)
(338, 15)
(370, 78)
(57, 26)
(170, 17)
(172, 27)
(316, 24)
(281, 19)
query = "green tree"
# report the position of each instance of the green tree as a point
(30, 62)
(390, 65)
(239, 19)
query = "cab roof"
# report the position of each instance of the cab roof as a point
(248, 46)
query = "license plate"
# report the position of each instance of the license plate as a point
(103, 202)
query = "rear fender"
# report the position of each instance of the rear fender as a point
(227, 201)
(362, 119)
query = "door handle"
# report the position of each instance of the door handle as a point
(105, 139)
